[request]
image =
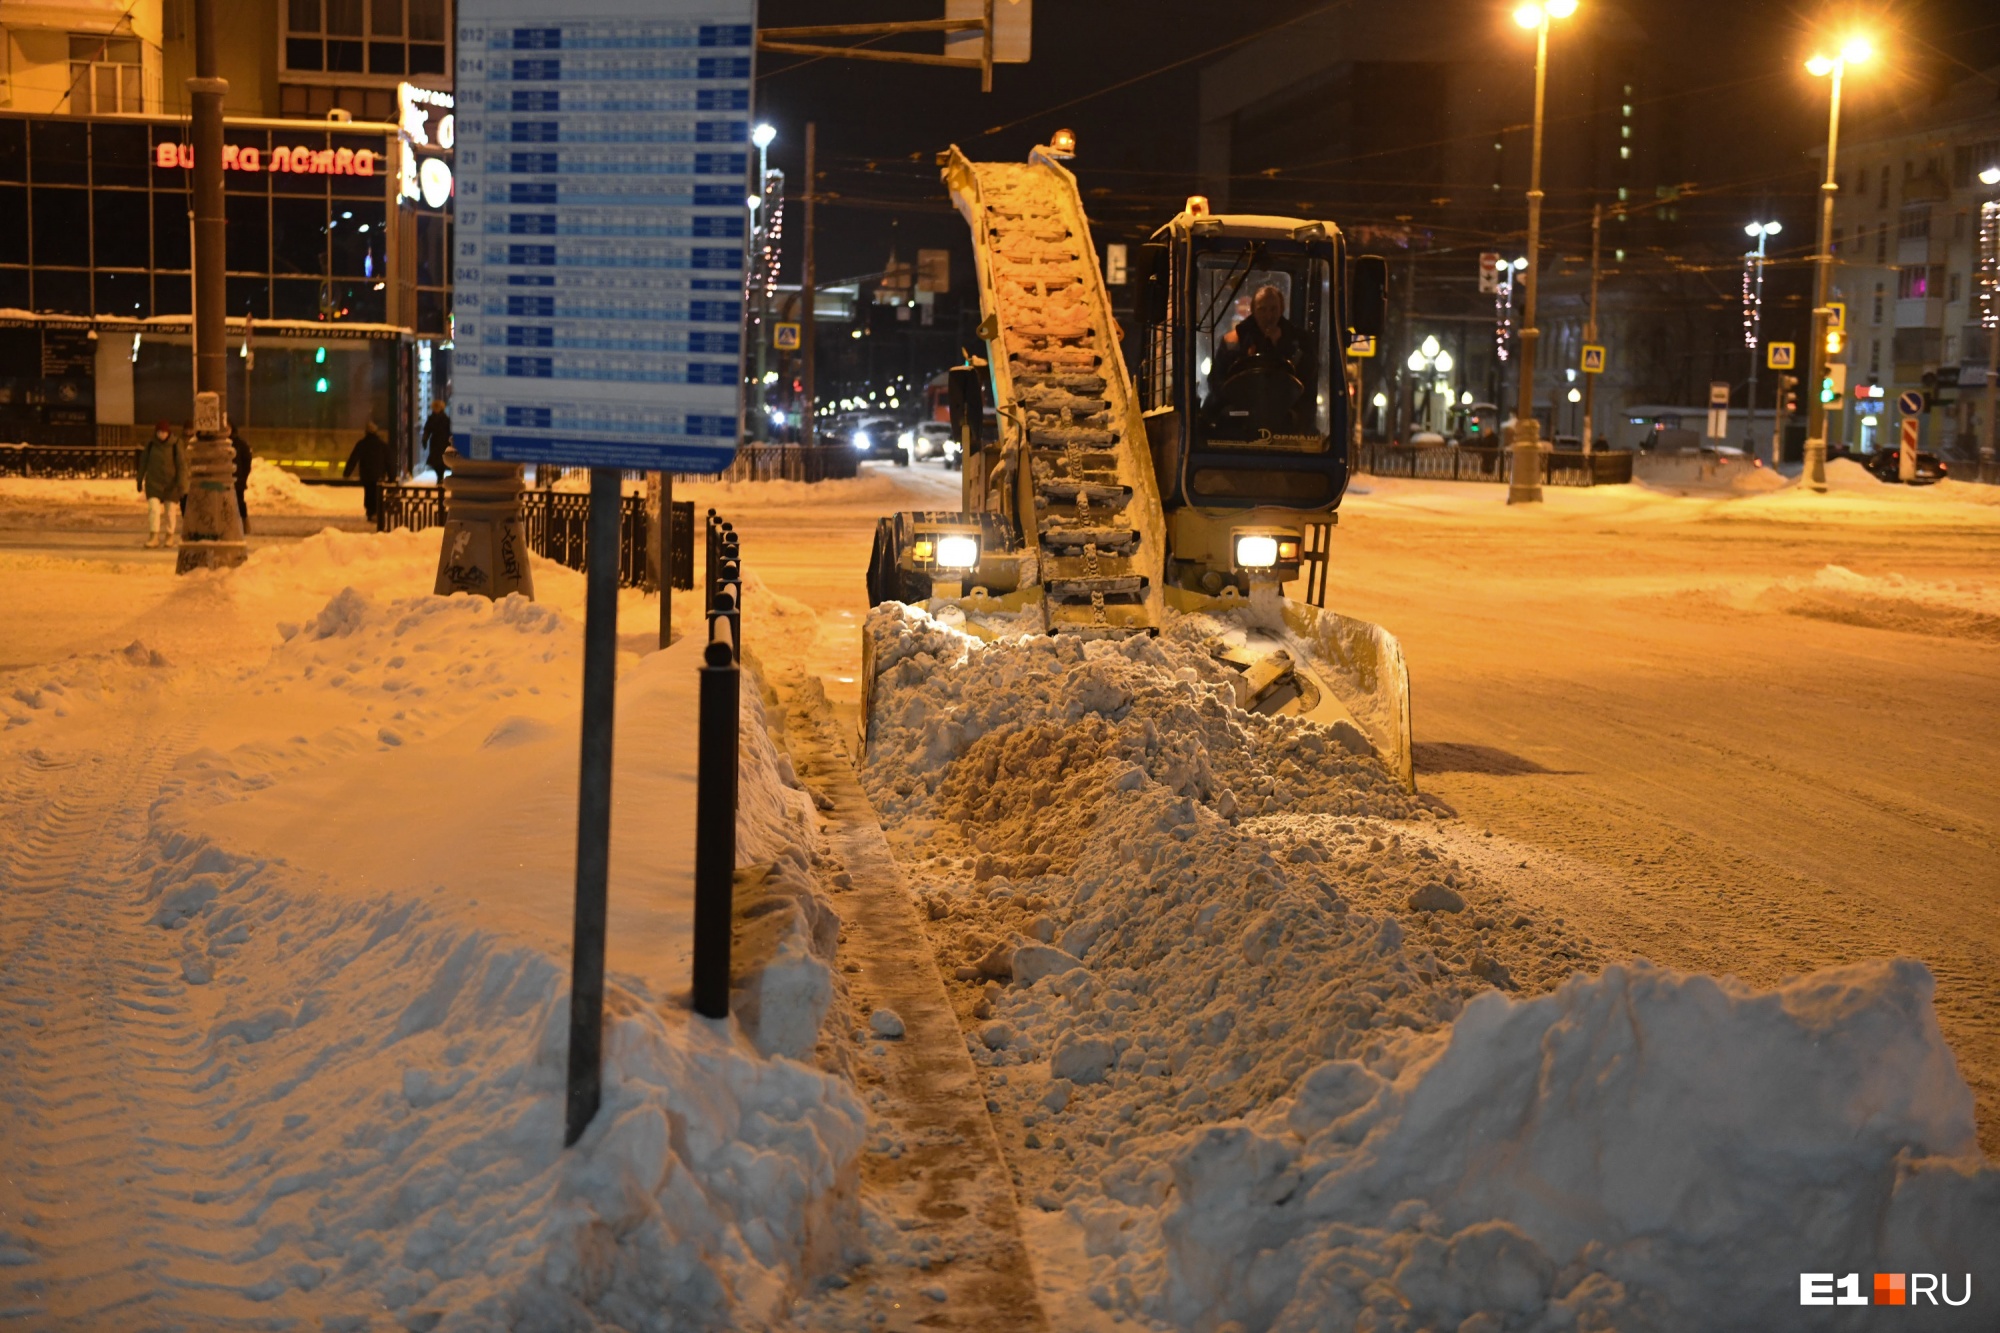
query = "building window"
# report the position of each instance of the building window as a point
(1878, 303)
(1882, 188)
(106, 76)
(389, 38)
(1916, 222)
(1920, 282)
(1954, 288)
(313, 100)
(1875, 357)
(1839, 234)
(1861, 181)
(1882, 244)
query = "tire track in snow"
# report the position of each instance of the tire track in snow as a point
(96, 1092)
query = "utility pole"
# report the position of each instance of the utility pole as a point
(1404, 390)
(809, 419)
(212, 536)
(1590, 333)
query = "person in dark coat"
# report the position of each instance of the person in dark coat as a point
(242, 447)
(370, 460)
(437, 437)
(162, 480)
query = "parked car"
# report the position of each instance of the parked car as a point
(1886, 464)
(876, 436)
(930, 439)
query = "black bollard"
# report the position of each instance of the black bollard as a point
(715, 823)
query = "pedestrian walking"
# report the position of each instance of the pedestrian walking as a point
(163, 481)
(242, 447)
(370, 460)
(437, 438)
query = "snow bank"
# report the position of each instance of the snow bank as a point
(272, 490)
(1947, 608)
(1268, 1064)
(396, 1083)
(351, 889)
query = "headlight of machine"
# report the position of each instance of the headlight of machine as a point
(861, 440)
(955, 550)
(1256, 550)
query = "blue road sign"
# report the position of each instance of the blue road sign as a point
(1910, 402)
(603, 150)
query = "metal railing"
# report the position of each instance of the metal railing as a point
(69, 460)
(791, 462)
(1493, 463)
(556, 525)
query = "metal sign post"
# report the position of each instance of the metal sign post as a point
(602, 240)
(1911, 404)
(1718, 409)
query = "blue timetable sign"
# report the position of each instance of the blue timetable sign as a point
(603, 156)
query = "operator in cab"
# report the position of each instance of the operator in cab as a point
(1264, 371)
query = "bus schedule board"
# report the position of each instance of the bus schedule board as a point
(598, 283)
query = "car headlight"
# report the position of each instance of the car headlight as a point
(861, 440)
(1256, 551)
(904, 439)
(957, 551)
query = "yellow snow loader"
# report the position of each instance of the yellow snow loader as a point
(1205, 484)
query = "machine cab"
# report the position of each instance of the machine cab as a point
(1245, 326)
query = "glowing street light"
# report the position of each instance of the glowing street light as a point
(1524, 486)
(1753, 319)
(1855, 50)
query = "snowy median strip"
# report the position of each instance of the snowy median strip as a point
(1251, 1083)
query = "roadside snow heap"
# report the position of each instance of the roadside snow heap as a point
(1256, 1105)
(317, 1093)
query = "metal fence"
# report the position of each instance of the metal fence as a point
(791, 462)
(556, 524)
(1492, 462)
(67, 460)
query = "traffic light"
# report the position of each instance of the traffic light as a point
(1788, 386)
(319, 356)
(1836, 342)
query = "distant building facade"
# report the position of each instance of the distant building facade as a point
(1906, 241)
(1408, 126)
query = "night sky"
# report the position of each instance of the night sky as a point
(1729, 78)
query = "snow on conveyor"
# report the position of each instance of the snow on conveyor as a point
(1239, 1009)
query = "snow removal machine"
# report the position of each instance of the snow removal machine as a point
(1206, 483)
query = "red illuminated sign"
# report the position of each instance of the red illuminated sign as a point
(300, 161)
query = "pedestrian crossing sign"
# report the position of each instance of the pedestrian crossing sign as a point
(786, 337)
(1836, 316)
(1361, 345)
(1781, 356)
(1593, 359)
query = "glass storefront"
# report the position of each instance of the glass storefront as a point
(330, 276)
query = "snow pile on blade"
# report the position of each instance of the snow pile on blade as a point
(296, 938)
(1264, 1086)
(1021, 743)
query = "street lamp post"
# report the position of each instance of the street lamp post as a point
(1853, 52)
(1525, 484)
(1753, 330)
(760, 213)
(1432, 363)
